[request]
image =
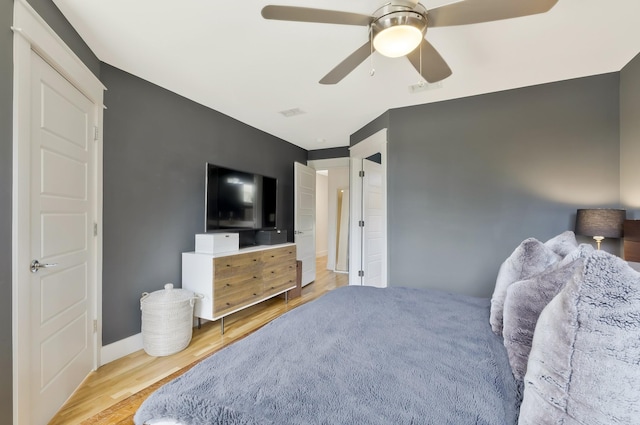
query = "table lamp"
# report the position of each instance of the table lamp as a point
(600, 223)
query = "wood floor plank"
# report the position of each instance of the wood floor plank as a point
(107, 389)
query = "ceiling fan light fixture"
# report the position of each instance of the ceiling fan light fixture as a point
(396, 41)
(397, 30)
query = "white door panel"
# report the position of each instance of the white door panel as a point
(305, 220)
(66, 176)
(374, 216)
(62, 214)
(63, 290)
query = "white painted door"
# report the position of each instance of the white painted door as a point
(368, 201)
(374, 230)
(305, 220)
(63, 210)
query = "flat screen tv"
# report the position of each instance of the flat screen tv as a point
(238, 200)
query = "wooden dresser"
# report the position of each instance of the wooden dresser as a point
(232, 281)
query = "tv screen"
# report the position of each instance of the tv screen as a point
(238, 200)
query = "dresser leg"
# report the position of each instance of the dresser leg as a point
(286, 297)
(222, 325)
(199, 323)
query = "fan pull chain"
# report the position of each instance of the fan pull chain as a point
(372, 72)
(422, 81)
(420, 47)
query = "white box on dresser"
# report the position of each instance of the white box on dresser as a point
(216, 243)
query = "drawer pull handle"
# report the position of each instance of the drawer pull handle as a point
(272, 272)
(228, 265)
(255, 277)
(272, 256)
(255, 259)
(228, 304)
(255, 295)
(227, 284)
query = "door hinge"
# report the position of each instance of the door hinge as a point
(95, 229)
(96, 133)
(95, 325)
(361, 173)
(361, 223)
(360, 273)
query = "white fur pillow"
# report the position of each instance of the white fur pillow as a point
(584, 365)
(563, 243)
(525, 301)
(527, 260)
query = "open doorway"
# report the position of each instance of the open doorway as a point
(332, 212)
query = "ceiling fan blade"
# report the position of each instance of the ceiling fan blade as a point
(306, 14)
(349, 64)
(434, 68)
(476, 11)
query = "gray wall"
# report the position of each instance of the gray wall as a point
(339, 152)
(54, 18)
(6, 108)
(156, 144)
(630, 138)
(370, 129)
(469, 179)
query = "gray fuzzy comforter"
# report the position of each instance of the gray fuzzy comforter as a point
(357, 355)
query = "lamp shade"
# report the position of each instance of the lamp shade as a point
(603, 222)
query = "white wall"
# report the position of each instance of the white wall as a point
(321, 214)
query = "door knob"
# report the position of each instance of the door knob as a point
(37, 265)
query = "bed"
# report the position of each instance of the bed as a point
(361, 355)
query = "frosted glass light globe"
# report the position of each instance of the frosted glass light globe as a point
(397, 41)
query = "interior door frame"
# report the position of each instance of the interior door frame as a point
(331, 164)
(376, 143)
(32, 33)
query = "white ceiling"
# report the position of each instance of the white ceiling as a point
(224, 55)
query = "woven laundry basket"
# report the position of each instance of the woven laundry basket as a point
(167, 320)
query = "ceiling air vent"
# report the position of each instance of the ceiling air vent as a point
(292, 112)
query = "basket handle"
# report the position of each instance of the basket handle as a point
(192, 301)
(144, 296)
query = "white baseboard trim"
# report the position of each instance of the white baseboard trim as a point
(322, 253)
(121, 348)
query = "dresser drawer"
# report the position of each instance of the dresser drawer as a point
(223, 287)
(238, 297)
(234, 265)
(278, 270)
(279, 255)
(284, 278)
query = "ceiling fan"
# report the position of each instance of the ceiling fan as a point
(397, 29)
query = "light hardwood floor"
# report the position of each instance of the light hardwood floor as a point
(120, 379)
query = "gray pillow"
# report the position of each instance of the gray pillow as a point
(527, 260)
(563, 243)
(524, 303)
(584, 365)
